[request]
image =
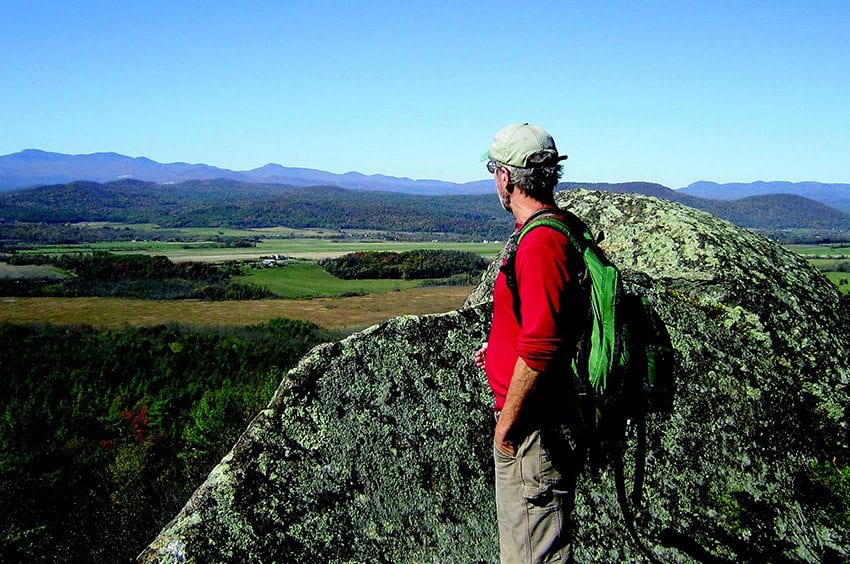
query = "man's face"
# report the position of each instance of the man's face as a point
(501, 177)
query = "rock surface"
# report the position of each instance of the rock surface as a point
(377, 448)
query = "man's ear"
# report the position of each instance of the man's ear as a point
(508, 184)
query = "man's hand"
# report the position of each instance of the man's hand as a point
(509, 423)
(502, 443)
(480, 356)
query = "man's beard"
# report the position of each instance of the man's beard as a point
(505, 201)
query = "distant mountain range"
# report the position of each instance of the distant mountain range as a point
(32, 167)
(833, 195)
(113, 186)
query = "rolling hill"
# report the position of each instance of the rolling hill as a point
(229, 203)
(833, 195)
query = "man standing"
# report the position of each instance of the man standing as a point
(527, 355)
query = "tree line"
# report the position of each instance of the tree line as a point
(103, 274)
(17, 235)
(410, 265)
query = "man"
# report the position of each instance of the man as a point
(527, 356)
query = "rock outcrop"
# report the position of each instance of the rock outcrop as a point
(377, 448)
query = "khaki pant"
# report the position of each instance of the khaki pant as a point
(534, 498)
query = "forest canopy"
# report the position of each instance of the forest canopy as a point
(105, 433)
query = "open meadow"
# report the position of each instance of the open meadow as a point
(306, 279)
(832, 259)
(330, 313)
(309, 292)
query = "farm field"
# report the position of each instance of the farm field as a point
(840, 279)
(343, 303)
(348, 313)
(832, 259)
(825, 249)
(304, 247)
(334, 304)
(304, 279)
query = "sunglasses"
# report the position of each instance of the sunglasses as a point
(493, 166)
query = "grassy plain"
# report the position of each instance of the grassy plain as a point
(831, 259)
(29, 271)
(824, 249)
(305, 279)
(329, 313)
(299, 280)
(840, 279)
(366, 302)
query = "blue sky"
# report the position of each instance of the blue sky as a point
(669, 92)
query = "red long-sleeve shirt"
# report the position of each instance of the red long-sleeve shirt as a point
(547, 306)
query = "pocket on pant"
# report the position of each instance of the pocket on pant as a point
(501, 457)
(543, 483)
(542, 496)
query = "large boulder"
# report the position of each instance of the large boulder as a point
(377, 448)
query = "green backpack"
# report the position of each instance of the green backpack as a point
(624, 347)
(623, 363)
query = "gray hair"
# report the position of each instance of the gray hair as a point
(538, 182)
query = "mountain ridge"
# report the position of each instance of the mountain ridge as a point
(833, 194)
(801, 206)
(35, 167)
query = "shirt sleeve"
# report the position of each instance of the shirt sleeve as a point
(542, 279)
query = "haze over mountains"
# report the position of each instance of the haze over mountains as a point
(33, 167)
(833, 195)
(113, 186)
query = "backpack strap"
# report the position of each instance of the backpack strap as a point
(509, 265)
(557, 219)
(620, 486)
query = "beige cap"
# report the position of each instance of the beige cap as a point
(524, 145)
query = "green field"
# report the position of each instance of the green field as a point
(839, 249)
(835, 270)
(828, 264)
(311, 292)
(303, 279)
(832, 259)
(840, 279)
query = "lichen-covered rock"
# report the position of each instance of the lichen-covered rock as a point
(372, 449)
(378, 447)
